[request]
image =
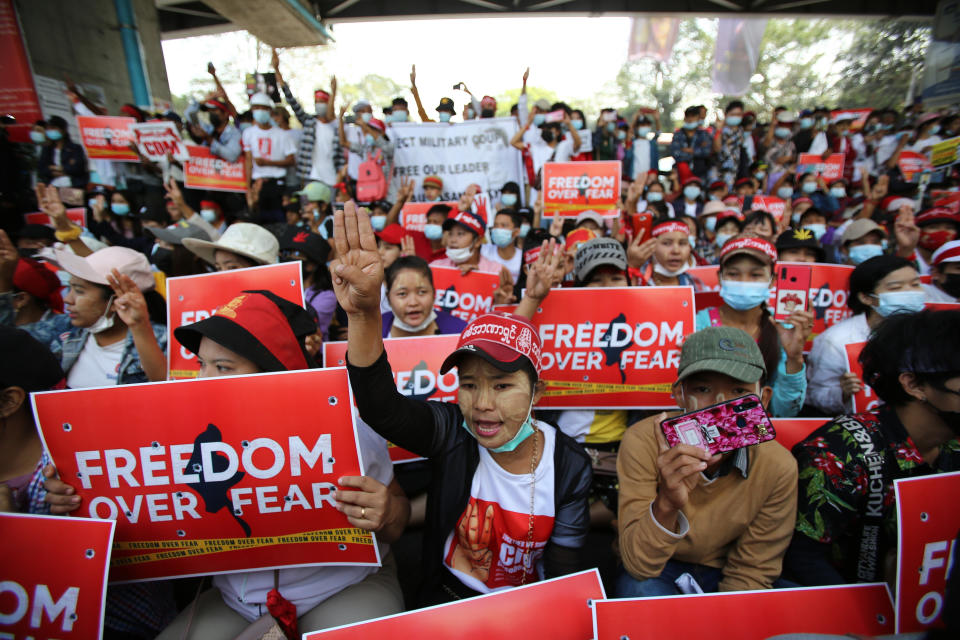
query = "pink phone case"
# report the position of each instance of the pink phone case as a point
(726, 426)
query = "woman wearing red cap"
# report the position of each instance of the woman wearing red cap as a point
(508, 503)
(747, 266)
(29, 293)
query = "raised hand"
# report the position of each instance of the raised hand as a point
(639, 252)
(407, 247)
(504, 292)
(128, 302)
(274, 60)
(556, 225)
(413, 75)
(906, 231)
(547, 269)
(173, 190)
(358, 270)
(526, 75)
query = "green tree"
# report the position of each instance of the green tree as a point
(378, 90)
(881, 62)
(510, 97)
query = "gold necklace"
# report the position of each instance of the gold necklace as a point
(528, 552)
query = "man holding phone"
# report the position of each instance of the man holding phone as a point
(690, 521)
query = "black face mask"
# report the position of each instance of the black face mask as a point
(487, 113)
(27, 253)
(162, 259)
(215, 120)
(951, 284)
(547, 135)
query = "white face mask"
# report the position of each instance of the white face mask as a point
(659, 268)
(409, 328)
(105, 321)
(459, 255)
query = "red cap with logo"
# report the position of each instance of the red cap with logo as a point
(751, 245)
(503, 340)
(468, 219)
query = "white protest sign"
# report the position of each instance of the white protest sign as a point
(156, 139)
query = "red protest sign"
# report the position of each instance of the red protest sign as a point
(502, 614)
(770, 204)
(158, 138)
(220, 474)
(416, 371)
(790, 431)
(204, 170)
(107, 137)
(414, 214)
(943, 306)
(865, 399)
(947, 199)
(193, 298)
(748, 615)
(613, 348)
(572, 187)
(927, 524)
(912, 164)
(709, 275)
(465, 296)
(54, 577)
(18, 97)
(829, 169)
(76, 215)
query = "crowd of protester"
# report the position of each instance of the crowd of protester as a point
(83, 306)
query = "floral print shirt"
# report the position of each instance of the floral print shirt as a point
(837, 471)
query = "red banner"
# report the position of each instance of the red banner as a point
(790, 431)
(865, 399)
(54, 577)
(912, 164)
(108, 137)
(219, 474)
(947, 199)
(511, 613)
(927, 523)
(204, 170)
(414, 214)
(829, 169)
(193, 298)
(158, 138)
(465, 296)
(770, 204)
(613, 348)
(748, 615)
(76, 215)
(572, 187)
(18, 97)
(416, 372)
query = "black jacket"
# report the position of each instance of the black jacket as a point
(433, 430)
(73, 160)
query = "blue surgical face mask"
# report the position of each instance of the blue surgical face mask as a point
(690, 126)
(508, 199)
(760, 175)
(501, 237)
(782, 132)
(471, 114)
(539, 119)
(378, 222)
(693, 241)
(366, 117)
(935, 129)
(399, 116)
(444, 116)
(654, 196)
(744, 295)
(838, 192)
(577, 124)
(38, 137)
(209, 215)
(611, 126)
(433, 231)
(863, 252)
(524, 230)
(120, 208)
(818, 230)
(262, 116)
(891, 302)
(524, 432)
(244, 126)
(643, 132)
(92, 202)
(691, 192)
(721, 239)
(784, 193)
(714, 197)
(733, 121)
(54, 134)
(795, 219)
(806, 123)
(701, 122)
(809, 187)
(710, 223)
(621, 135)
(368, 139)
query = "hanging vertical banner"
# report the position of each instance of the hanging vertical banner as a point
(737, 53)
(653, 38)
(17, 94)
(941, 74)
(212, 475)
(927, 523)
(192, 298)
(53, 579)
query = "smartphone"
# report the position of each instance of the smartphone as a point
(458, 85)
(642, 223)
(210, 67)
(722, 427)
(555, 116)
(793, 291)
(610, 116)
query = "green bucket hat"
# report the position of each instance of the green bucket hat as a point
(316, 192)
(722, 350)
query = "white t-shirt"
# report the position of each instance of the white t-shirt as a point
(489, 251)
(828, 361)
(500, 508)
(96, 366)
(322, 169)
(541, 152)
(273, 144)
(355, 137)
(641, 157)
(306, 587)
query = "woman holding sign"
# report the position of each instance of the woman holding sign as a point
(747, 267)
(508, 504)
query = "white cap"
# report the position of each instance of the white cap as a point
(99, 264)
(589, 214)
(896, 203)
(242, 238)
(260, 100)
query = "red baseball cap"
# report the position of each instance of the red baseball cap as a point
(377, 124)
(488, 101)
(937, 214)
(754, 246)
(468, 219)
(32, 277)
(392, 234)
(320, 96)
(503, 340)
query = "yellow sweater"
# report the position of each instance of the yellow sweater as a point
(740, 525)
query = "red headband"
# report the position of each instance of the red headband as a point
(670, 227)
(756, 245)
(946, 255)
